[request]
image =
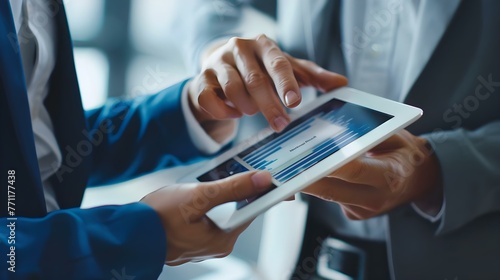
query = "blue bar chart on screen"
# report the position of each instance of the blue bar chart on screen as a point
(304, 143)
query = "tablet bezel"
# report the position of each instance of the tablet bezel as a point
(403, 115)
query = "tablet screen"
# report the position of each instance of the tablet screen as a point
(305, 142)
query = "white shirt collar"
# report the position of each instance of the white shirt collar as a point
(16, 6)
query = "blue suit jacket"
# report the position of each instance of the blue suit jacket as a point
(121, 140)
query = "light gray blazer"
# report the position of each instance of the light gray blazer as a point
(456, 82)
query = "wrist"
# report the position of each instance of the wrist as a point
(429, 181)
(211, 48)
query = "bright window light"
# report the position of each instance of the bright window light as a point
(85, 18)
(150, 74)
(92, 69)
(150, 21)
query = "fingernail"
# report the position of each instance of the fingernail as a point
(261, 179)
(280, 123)
(291, 98)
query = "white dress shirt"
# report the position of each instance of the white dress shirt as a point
(379, 39)
(377, 36)
(37, 36)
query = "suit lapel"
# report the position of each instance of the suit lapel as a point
(427, 37)
(65, 108)
(320, 13)
(305, 26)
(13, 86)
(325, 22)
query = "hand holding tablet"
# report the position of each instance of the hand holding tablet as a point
(334, 129)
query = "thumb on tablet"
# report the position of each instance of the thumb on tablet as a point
(235, 188)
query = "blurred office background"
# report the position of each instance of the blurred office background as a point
(123, 49)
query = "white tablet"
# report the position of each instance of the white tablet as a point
(329, 132)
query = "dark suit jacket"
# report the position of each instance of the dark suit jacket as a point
(458, 89)
(121, 140)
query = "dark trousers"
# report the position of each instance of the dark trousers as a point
(375, 265)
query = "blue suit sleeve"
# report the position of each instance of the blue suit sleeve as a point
(100, 243)
(133, 137)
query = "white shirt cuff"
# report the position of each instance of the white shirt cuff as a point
(201, 140)
(427, 216)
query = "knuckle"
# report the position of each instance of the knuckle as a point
(234, 41)
(262, 37)
(228, 85)
(255, 79)
(204, 97)
(231, 85)
(205, 73)
(225, 59)
(265, 42)
(239, 43)
(400, 166)
(280, 63)
(356, 171)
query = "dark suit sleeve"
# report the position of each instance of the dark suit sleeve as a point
(470, 166)
(108, 242)
(133, 137)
